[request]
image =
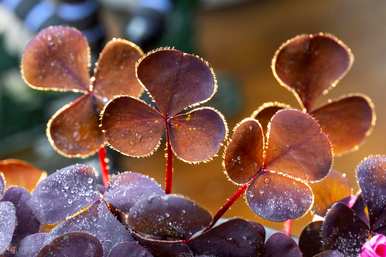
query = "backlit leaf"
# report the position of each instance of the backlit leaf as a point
(132, 127)
(176, 80)
(297, 146)
(74, 130)
(331, 189)
(278, 198)
(346, 121)
(21, 173)
(57, 59)
(168, 216)
(265, 112)
(309, 65)
(64, 192)
(243, 156)
(197, 135)
(73, 245)
(128, 188)
(115, 70)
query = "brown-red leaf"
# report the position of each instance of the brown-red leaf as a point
(115, 70)
(197, 135)
(132, 127)
(57, 59)
(309, 65)
(346, 121)
(243, 156)
(176, 80)
(297, 146)
(74, 130)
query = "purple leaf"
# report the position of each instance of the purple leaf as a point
(64, 192)
(129, 249)
(371, 174)
(99, 222)
(278, 198)
(128, 188)
(73, 244)
(280, 245)
(163, 248)
(343, 230)
(26, 221)
(7, 224)
(233, 238)
(2, 184)
(310, 240)
(30, 245)
(168, 216)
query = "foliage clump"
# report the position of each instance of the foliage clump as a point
(281, 157)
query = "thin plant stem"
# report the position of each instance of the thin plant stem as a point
(230, 201)
(103, 162)
(169, 163)
(287, 227)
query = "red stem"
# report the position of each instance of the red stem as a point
(287, 227)
(230, 201)
(169, 162)
(103, 160)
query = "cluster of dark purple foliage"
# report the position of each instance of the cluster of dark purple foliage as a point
(280, 157)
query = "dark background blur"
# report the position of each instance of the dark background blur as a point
(238, 38)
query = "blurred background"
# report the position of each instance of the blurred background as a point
(238, 38)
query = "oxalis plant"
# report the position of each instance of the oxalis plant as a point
(281, 158)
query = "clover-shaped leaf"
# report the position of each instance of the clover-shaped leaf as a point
(7, 224)
(63, 193)
(176, 81)
(128, 188)
(21, 173)
(27, 223)
(338, 188)
(31, 245)
(265, 112)
(346, 121)
(58, 59)
(296, 152)
(73, 245)
(168, 217)
(98, 221)
(310, 65)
